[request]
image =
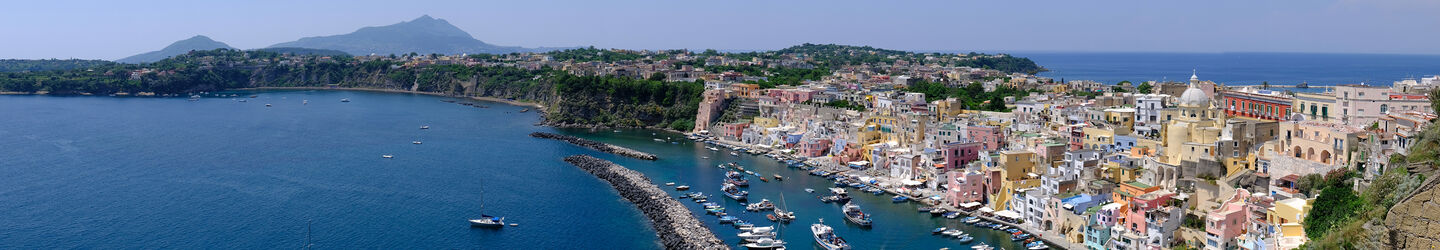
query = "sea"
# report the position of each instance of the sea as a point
(141, 172)
(1236, 68)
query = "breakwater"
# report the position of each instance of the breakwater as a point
(600, 146)
(675, 225)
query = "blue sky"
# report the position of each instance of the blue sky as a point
(114, 29)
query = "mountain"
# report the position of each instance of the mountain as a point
(304, 51)
(177, 48)
(424, 35)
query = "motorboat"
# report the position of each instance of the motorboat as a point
(779, 178)
(715, 210)
(425, 127)
(899, 199)
(488, 221)
(734, 192)
(267, 105)
(734, 154)
(742, 224)
(937, 211)
(669, 183)
(923, 209)
(1037, 246)
(766, 243)
(854, 215)
(826, 238)
(982, 246)
(737, 179)
(938, 230)
(965, 238)
(415, 142)
(808, 190)
(763, 205)
(757, 233)
(341, 99)
(387, 156)
(951, 232)
(682, 187)
(728, 219)
(1020, 237)
(971, 220)
(952, 215)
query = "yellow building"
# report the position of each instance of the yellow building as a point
(765, 122)
(1288, 215)
(1098, 138)
(1191, 133)
(1017, 164)
(1122, 118)
(1314, 106)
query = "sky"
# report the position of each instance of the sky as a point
(114, 29)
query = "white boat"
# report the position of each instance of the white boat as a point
(766, 244)
(415, 142)
(344, 99)
(682, 187)
(826, 238)
(807, 190)
(731, 153)
(304, 102)
(659, 140)
(669, 183)
(425, 127)
(982, 246)
(488, 221)
(387, 156)
(755, 234)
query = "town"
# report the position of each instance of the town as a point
(1092, 165)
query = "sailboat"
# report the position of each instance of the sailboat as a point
(780, 214)
(486, 220)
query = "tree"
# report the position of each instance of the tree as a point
(1144, 88)
(1334, 205)
(1123, 83)
(1265, 85)
(657, 76)
(997, 103)
(1435, 102)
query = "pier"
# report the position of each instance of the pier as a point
(598, 146)
(673, 223)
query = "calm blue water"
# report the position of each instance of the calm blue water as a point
(108, 172)
(1237, 68)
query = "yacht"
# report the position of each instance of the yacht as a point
(766, 243)
(854, 215)
(344, 99)
(734, 192)
(488, 221)
(757, 233)
(682, 187)
(425, 127)
(415, 142)
(387, 156)
(826, 238)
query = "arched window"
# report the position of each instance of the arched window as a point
(1384, 108)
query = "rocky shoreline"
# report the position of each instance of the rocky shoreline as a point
(673, 223)
(599, 146)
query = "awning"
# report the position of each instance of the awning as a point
(969, 204)
(910, 183)
(986, 210)
(1008, 214)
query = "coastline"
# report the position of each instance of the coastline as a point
(477, 98)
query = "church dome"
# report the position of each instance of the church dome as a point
(1194, 97)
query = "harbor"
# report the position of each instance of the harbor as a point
(694, 164)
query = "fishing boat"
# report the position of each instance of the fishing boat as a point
(1020, 237)
(762, 179)
(766, 243)
(972, 220)
(899, 199)
(734, 192)
(854, 215)
(737, 179)
(937, 211)
(826, 238)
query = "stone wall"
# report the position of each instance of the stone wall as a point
(1414, 222)
(599, 146)
(673, 223)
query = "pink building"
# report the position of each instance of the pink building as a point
(815, 148)
(965, 187)
(1226, 222)
(735, 130)
(991, 138)
(959, 154)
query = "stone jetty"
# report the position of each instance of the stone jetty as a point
(676, 226)
(600, 146)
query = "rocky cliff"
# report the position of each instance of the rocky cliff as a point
(1414, 222)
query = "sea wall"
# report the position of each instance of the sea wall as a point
(675, 225)
(600, 146)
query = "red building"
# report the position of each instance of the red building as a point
(1260, 104)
